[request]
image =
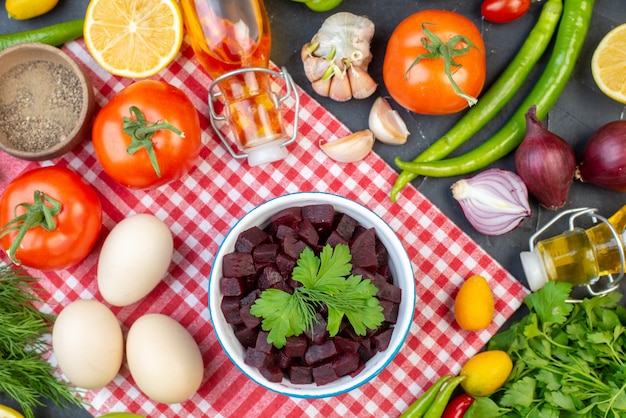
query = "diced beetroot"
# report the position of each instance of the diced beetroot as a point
(363, 250)
(334, 238)
(273, 374)
(346, 363)
(249, 320)
(238, 264)
(269, 277)
(261, 343)
(367, 350)
(319, 333)
(358, 369)
(296, 346)
(345, 226)
(250, 238)
(386, 273)
(318, 352)
(300, 375)
(293, 247)
(324, 374)
(390, 310)
(381, 253)
(246, 336)
(388, 291)
(382, 339)
(250, 298)
(232, 286)
(230, 309)
(346, 345)
(258, 359)
(282, 360)
(290, 217)
(265, 253)
(321, 216)
(308, 233)
(285, 264)
(283, 230)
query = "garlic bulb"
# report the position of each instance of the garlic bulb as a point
(337, 57)
(386, 123)
(494, 201)
(351, 148)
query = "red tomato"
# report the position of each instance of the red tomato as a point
(77, 224)
(504, 11)
(424, 87)
(175, 153)
(458, 406)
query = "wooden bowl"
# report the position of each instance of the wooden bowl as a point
(46, 102)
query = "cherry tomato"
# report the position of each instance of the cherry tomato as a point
(504, 11)
(458, 406)
(64, 237)
(147, 135)
(419, 79)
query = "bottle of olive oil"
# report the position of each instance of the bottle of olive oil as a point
(577, 256)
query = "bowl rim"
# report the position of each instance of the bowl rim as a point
(86, 111)
(224, 331)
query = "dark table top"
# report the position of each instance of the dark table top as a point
(581, 109)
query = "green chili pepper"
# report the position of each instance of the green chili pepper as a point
(443, 397)
(421, 405)
(568, 44)
(498, 95)
(52, 35)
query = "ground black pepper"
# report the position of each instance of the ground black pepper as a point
(40, 103)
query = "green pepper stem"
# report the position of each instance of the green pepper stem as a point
(141, 131)
(41, 213)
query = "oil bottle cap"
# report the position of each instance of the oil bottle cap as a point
(266, 153)
(535, 271)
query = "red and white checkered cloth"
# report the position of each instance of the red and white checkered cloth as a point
(201, 208)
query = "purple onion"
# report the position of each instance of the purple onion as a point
(603, 161)
(546, 163)
(494, 201)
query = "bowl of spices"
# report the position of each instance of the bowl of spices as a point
(46, 102)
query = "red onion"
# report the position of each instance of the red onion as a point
(603, 161)
(494, 201)
(546, 163)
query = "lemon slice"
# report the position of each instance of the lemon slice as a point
(608, 64)
(7, 412)
(133, 38)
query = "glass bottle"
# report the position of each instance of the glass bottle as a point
(578, 256)
(229, 38)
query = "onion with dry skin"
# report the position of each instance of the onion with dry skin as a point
(603, 162)
(337, 57)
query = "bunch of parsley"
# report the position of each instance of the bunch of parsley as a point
(569, 359)
(326, 282)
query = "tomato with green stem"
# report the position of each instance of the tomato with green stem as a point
(50, 218)
(147, 135)
(435, 63)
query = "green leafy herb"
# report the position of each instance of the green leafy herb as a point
(24, 374)
(326, 281)
(569, 359)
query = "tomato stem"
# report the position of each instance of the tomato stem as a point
(39, 213)
(141, 131)
(447, 51)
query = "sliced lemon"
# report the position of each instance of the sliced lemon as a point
(7, 412)
(133, 38)
(608, 64)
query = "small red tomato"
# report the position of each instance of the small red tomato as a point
(69, 215)
(147, 135)
(504, 11)
(458, 406)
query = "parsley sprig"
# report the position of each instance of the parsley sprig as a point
(570, 359)
(326, 281)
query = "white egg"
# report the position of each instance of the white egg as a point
(88, 344)
(164, 359)
(134, 258)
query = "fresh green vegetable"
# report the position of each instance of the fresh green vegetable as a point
(570, 359)
(52, 35)
(498, 95)
(421, 405)
(569, 40)
(326, 281)
(443, 397)
(24, 374)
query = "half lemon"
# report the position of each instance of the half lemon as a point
(608, 64)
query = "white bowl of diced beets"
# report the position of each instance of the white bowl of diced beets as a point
(288, 255)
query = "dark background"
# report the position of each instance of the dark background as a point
(581, 109)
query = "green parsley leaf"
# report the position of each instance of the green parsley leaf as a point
(326, 281)
(551, 303)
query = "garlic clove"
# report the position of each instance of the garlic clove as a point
(340, 90)
(387, 124)
(351, 148)
(361, 83)
(315, 67)
(322, 86)
(494, 201)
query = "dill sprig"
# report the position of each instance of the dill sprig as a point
(25, 375)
